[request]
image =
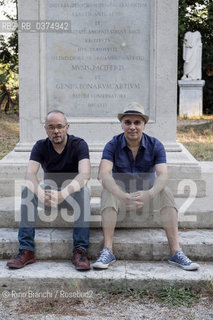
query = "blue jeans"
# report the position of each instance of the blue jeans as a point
(79, 202)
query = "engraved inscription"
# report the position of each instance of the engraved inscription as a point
(104, 62)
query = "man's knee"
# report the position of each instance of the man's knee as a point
(167, 200)
(28, 208)
(166, 192)
(108, 200)
(79, 203)
(27, 193)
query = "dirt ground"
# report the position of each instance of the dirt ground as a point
(104, 308)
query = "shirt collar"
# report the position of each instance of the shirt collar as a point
(143, 142)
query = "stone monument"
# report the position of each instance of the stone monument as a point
(192, 55)
(191, 85)
(113, 53)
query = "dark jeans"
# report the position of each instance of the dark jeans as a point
(79, 202)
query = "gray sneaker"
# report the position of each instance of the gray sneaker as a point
(181, 260)
(106, 257)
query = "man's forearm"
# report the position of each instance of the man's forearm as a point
(108, 182)
(76, 184)
(32, 182)
(159, 184)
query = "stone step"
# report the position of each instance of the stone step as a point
(184, 171)
(178, 168)
(180, 187)
(56, 279)
(134, 244)
(193, 213)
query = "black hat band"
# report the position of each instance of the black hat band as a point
(133, 111)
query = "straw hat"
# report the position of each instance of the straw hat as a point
(134, 108)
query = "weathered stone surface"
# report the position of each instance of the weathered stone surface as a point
(191, 97)
(129, 244)
(193, 213)
(58, 278)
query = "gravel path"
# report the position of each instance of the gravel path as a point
(104, 309)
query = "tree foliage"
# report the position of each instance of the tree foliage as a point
(9, 65)
(198, 16)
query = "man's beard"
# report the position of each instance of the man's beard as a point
(58, 142)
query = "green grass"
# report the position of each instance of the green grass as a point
(168, 296)
(9, 133)
(201, 152)
(198, 139)
(177, 297)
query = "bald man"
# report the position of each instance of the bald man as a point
(65, 161)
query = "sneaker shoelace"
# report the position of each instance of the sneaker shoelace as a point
(104, 255)
(183, 258)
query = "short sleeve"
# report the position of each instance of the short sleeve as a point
(109, 151)
(160, 153)
(36, 153)
(83, 150)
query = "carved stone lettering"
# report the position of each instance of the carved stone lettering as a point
(103, 63)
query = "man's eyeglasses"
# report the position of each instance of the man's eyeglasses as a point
(58, 127)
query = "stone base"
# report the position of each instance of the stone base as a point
(53, 277)
(191, 97)
(192, 214)
(129, 244)
(184, 171)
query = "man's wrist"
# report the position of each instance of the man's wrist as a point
(39, 190)
(61, 196)
(64, 193)
(151, 193)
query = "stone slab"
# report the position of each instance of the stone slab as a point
(57, 279)
(180, 187)
(184, 172)
(88, 66)
(193, 213)
(207, 174)
(129, 244)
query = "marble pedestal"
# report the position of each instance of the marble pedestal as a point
(191, 98)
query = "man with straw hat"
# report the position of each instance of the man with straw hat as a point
(127, 172)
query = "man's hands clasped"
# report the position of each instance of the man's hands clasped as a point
(51, 198)
(136, 199)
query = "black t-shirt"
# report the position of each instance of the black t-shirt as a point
(63, 166)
